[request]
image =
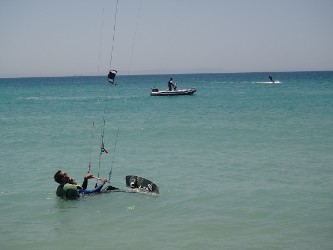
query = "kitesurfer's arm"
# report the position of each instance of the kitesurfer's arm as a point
(85, 181)
(95, 190)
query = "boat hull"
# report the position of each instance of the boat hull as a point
(156, 92)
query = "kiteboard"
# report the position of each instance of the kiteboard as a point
(141, 184)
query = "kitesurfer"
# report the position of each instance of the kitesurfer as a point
(112, 75)
(171, 85)
(69, 189)
(271, 78)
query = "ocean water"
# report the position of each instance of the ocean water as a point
(241, 164)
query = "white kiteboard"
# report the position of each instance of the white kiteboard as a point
(141, 184)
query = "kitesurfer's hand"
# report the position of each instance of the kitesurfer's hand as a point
(88, 176)
(103, 181)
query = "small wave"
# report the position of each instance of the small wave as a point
(51, 98)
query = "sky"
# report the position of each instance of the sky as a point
(74, 38)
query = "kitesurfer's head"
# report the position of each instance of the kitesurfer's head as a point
(63, 178)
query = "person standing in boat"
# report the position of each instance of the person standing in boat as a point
(69, 189)
(171, 85)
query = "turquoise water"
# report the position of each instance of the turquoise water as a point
(241, 164)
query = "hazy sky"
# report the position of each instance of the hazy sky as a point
(62, 37)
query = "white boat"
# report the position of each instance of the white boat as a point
(156, 92)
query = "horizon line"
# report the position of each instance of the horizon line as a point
(154, 74)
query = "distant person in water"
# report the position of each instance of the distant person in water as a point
(171, 85)
(69, 189)
(112, 75)
(271, 78)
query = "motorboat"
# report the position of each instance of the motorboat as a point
(156, 92)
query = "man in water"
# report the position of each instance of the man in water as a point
(271, 78)
(69, 189)
(171, 85)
